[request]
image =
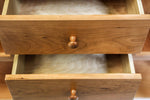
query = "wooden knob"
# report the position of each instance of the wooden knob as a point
(72, 44)
(73, 95)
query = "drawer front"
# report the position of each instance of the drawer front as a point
(109, 34)
(88, 86)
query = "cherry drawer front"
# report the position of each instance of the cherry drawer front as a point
(121, 30)
(119, 82)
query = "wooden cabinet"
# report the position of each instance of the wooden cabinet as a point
(116, 34)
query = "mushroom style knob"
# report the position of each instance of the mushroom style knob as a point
(73, 95)
(72, 43)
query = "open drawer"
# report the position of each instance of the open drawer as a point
(113, 27)
(117, 81)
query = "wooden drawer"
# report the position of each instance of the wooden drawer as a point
(119, 82)
(121, 31)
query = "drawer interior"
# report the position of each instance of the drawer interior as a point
(72, 64)
(73, 7)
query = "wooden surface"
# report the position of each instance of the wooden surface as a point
(59, 64)
(3, 56)
(146, 49)
(1, 6)
(56, 86)
(143, 67)
(5, 68)
(22, 86)
(134, 7)
(146, 6)
(142, 57)
(123, 34)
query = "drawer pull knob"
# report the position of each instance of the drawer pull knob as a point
(72, 44)
(73, 95)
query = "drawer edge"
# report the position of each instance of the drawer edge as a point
(72, 76)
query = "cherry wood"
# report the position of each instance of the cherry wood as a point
(3, 56)
(143, 66)
(58, 86)
(146, 49)
(96, 34)
(5, 68)
(1, 5)
(146, 6)
(40, 86)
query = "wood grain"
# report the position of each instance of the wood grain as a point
(125, 34)
(56, 86)
(128, 65)
(48, 31)
(134, 7)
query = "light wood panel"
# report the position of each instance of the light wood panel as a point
(50, 87)
(125, 34)
(127, 60)
(134, 7)
(18, 64)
